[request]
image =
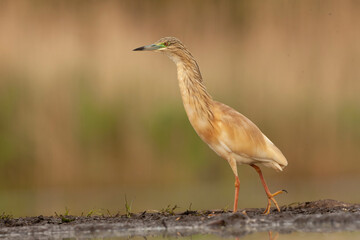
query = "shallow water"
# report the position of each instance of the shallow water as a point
(261, 235)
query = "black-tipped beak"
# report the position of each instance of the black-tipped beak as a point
(148, 48)
(139, 48)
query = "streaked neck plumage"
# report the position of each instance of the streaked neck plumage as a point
(197, 102)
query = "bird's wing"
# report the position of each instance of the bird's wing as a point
(244, 138)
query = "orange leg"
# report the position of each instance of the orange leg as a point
(271, 237)
(269, 195)
(237, 187)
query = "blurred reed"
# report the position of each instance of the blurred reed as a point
(78, 108)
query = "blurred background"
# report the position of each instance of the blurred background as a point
(84, 121)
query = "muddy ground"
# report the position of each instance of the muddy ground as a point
(318, 216)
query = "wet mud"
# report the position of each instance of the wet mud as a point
(317, 216)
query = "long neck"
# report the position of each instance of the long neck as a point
(197, 101)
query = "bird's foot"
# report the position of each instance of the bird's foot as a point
(271, 198)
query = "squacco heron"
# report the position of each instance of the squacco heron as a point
(229, 133)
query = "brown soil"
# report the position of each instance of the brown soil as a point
(318, 216)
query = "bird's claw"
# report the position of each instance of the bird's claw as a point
(271, 198)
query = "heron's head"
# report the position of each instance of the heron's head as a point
(166, 44)
(171, 46)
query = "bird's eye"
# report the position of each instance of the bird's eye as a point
(166, 44)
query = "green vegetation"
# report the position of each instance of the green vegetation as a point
(5, 216)
(189, 208)
(225, 209)
(128, 208)
(93, 212)
(169, 209)
(65, 218)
